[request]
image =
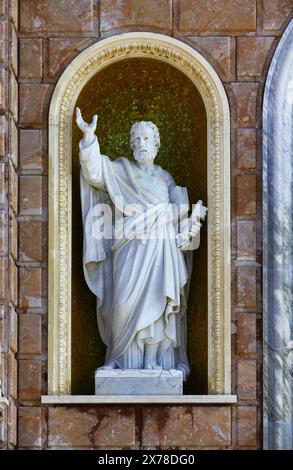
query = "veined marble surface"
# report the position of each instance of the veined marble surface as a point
(138, 382)
(278, 247)
(141, 399)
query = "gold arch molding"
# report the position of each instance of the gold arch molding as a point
(68, 88)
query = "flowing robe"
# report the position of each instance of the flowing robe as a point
(141, 280)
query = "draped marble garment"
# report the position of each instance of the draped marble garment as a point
(141, 280)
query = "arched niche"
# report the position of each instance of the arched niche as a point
(91, 65)
(278, 247)
(122, 93)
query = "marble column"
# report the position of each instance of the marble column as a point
(278, 247)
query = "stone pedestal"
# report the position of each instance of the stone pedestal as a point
(138, 382)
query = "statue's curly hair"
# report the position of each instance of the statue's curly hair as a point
(149, 124)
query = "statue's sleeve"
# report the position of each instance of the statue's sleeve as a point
(94, 197)
(169, 180)
(91, 164)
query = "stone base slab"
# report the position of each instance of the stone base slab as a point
(71, 400)
(138, 382)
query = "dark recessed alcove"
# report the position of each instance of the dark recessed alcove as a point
(127, 91)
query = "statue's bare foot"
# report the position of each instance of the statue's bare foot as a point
(153, 366)
(109, 366)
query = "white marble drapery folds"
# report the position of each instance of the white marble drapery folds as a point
(278, 247)
(141, 284)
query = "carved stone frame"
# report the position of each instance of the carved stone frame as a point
(67, 90)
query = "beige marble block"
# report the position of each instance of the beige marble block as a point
(138, 382)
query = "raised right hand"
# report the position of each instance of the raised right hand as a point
(87, 129)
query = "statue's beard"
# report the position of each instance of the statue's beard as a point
(144, 156)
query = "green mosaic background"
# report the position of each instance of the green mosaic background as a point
(125, 92)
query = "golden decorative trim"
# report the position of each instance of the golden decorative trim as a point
(79, 72)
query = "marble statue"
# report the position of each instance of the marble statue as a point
(140, 279)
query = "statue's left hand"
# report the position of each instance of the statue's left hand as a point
(184, 240)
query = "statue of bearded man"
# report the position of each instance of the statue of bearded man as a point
(140, 279)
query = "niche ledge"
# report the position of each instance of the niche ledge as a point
(139, 399)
